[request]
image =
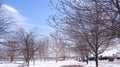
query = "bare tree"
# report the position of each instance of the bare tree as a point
(12, 48)
(44, 48)
(84, 19)
(55, 44)
(5, 25)
(64, 49)
(59, 45)
(82, 50)
(111, 16)
(27, 40)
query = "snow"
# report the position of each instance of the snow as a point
(116, 63)
(9, 65)
(54, 64)
(110, 52)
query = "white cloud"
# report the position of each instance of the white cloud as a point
(21, 20)
(9, 8)
(37, 26)
(12, 12)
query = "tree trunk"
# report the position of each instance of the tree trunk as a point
(28, 63)
(11, 59)
(96, 59)
(33, 58)
(56, 59)
(87, 59)
(86, 56)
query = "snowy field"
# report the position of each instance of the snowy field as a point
(116, 63)
(65, 63)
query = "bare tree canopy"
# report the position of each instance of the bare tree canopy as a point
(59, 45)
(5, 23)
(92, 22)
(27, 39)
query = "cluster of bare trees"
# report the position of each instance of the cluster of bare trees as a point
(27, 45)
(43, 51)
(12, 48)
(21, 44)
(5, 25)
(60, 46)
(93, 24)
(17, 43)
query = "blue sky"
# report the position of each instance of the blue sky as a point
(35, 11)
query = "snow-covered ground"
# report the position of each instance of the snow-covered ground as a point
(54, 64)
(116, 63)
(9, 65)
(67, 62)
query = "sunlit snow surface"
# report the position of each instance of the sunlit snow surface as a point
(54, 64)
(9, 65)
(116, 63)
